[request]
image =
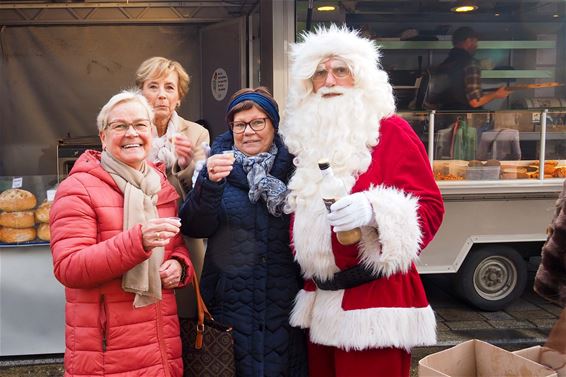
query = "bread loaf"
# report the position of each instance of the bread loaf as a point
(19, 219)
(43, 232)
(17, 200)
(13, 235)
(42, 212)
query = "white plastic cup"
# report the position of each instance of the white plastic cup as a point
(176, 219)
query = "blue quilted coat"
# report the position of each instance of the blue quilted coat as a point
(249, 278)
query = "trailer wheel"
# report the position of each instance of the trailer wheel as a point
(492, 277)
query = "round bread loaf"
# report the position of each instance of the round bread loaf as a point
(19, 219)
(17, 200)
(42, 212)
(43, 232)
(13, 235)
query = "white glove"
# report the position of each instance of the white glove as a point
(350, 212)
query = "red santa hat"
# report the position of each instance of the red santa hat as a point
(361, 54)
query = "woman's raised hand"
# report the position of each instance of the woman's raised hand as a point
(183, 150)
(159, 232)
(219, 166)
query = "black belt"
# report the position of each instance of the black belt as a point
(350, 278)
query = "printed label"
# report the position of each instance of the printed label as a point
(17, 182)
(328, 203)
(51, 195)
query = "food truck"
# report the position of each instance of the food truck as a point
(499, 198)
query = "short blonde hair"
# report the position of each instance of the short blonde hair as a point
(129, 95)
(158, 67)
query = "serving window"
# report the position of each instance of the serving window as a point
(488, 146)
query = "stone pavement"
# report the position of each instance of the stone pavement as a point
(524, 323)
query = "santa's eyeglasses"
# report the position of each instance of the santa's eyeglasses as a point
(338, 68)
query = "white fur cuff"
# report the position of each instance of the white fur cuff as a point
(301, 314)
(397, 244)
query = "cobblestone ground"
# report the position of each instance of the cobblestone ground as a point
(524, 323)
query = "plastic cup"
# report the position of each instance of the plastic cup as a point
(229, 153)
(176, 219)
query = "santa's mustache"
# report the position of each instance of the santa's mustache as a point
(332, 90)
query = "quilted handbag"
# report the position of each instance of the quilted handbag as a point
(208, 346)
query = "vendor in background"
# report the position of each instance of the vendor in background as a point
(176, 141)
(464, 75)
(117, 250)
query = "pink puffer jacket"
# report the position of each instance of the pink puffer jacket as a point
(105, 334)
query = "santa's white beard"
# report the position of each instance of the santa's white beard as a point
(342, 129)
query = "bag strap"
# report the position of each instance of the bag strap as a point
(202, 312)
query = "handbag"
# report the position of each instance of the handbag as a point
(208, 346)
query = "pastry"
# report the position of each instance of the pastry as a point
(43, 232)
(17, 200)
(514, 173)
(42, 212)
(13, 235)
(492, 163)
(19, 219)
(560, 172)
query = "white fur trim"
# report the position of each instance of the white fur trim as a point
(301, 314)
(397, 244)
(363, 328)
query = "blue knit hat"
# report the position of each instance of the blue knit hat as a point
(267, 104)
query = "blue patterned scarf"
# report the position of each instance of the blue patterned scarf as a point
(263, 185)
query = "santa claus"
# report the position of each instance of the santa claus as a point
(363, 304)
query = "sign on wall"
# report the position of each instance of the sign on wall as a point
(219, 84)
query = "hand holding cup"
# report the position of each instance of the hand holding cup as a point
(159, 232)
(183, 149)
(219, 166)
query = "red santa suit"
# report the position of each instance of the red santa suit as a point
(387, 162)
(408, 210)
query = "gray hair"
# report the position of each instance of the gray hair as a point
(129, 95)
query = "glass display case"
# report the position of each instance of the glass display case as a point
(25, 202)
(491, 146)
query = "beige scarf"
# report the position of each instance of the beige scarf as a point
(140, 188)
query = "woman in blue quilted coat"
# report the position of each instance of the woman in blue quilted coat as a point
(249, 278)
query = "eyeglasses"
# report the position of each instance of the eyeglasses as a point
(140, 126)
(339, 70)
(255, 124)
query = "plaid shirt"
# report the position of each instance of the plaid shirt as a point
(472, 77)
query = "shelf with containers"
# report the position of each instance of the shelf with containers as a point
(501, 62)
(32, 301)
(428, 47)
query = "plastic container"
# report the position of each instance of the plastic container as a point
(482, 173)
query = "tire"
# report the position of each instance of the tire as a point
(492, 277)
